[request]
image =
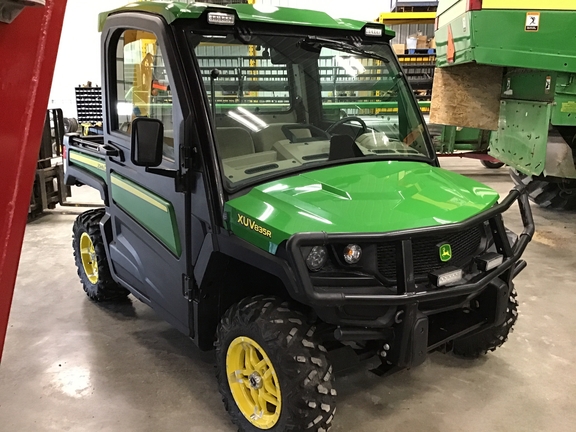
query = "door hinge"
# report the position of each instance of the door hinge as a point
(186, 155)
(187, 287)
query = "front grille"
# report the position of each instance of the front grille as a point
(425, 253)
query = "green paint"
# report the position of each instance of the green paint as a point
(461, 33)
(93, 164)
(445, 252)
(364, 197)
(246, 13)
(154, 213)
(462, 139)
(566, 84)
(564, 109)
(498, 37)
(538, 88)
(169, 11)
(533, 85)
(301, 17)
(522, 135)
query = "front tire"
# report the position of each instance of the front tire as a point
(481, 343)
(272, 374)
(91, 260)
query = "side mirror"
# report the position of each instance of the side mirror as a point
(147, 142)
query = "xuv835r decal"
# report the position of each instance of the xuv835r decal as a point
(249, 223)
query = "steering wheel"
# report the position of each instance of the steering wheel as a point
(346, 120)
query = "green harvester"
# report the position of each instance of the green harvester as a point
(520, 54)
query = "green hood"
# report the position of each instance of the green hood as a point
(366, 197)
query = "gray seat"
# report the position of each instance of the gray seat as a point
(233, 142)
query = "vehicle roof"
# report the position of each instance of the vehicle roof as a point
(171, 11)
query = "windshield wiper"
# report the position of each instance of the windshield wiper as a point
(350, 48)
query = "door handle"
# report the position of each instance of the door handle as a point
(111, 151)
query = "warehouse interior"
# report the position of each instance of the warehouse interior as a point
(327, 217)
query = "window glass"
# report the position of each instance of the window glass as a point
(143, 86)
(283, 104)
(247, 76)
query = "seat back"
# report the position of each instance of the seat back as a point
(234, 141)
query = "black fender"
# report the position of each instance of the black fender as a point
(75, 175)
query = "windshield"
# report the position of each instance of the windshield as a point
(287, 104)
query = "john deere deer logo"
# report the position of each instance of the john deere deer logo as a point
(445, 252)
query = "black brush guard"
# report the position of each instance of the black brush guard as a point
(415, 332)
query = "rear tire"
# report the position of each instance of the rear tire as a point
(303, 377)
(547, 194)
(91, 260)
(492, 165)
(479, 344)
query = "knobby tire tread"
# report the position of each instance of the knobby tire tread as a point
(306, 377)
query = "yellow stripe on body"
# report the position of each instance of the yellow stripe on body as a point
(87, 160)
(129, 188)
(529, 4)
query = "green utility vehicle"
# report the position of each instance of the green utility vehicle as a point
(271, 190)
(533, 63)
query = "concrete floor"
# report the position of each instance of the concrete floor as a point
(71, 365)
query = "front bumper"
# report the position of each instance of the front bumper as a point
(412, 320)
(406, 290)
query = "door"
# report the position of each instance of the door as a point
(148, 216)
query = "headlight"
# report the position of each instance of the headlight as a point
(317, 258)
(352, 253)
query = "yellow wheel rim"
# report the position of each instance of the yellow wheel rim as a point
(88, 255)
(253, 382)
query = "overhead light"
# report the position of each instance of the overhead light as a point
(221, 18)
(374, 31)
(489, 261)
(446, 276)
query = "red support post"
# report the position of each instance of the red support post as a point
(28, 49)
